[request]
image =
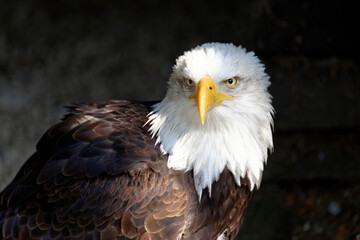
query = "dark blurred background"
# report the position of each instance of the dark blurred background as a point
(53, 53)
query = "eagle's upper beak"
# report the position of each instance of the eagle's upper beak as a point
(207, 96)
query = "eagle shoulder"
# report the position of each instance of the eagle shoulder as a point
(93, 139)
(97, 172)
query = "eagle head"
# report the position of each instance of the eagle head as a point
(217, 113)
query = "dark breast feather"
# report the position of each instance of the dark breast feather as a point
(98, 175)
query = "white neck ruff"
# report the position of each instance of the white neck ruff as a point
(232, 138)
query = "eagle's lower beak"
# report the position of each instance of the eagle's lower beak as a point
(207, 97)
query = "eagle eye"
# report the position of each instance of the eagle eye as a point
(189, 83)
(231, 82)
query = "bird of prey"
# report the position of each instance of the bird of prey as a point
(181, 168)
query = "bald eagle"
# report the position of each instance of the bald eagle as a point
(181, 168)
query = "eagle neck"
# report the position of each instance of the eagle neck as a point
(208, 149)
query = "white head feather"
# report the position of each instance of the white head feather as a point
(237, 134)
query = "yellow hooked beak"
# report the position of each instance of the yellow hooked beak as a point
(207, 97)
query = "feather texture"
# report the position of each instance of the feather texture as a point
(99, 175)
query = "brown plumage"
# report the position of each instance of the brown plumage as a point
(99, 175)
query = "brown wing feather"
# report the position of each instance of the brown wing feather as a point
(98, 175)
(88, 170)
